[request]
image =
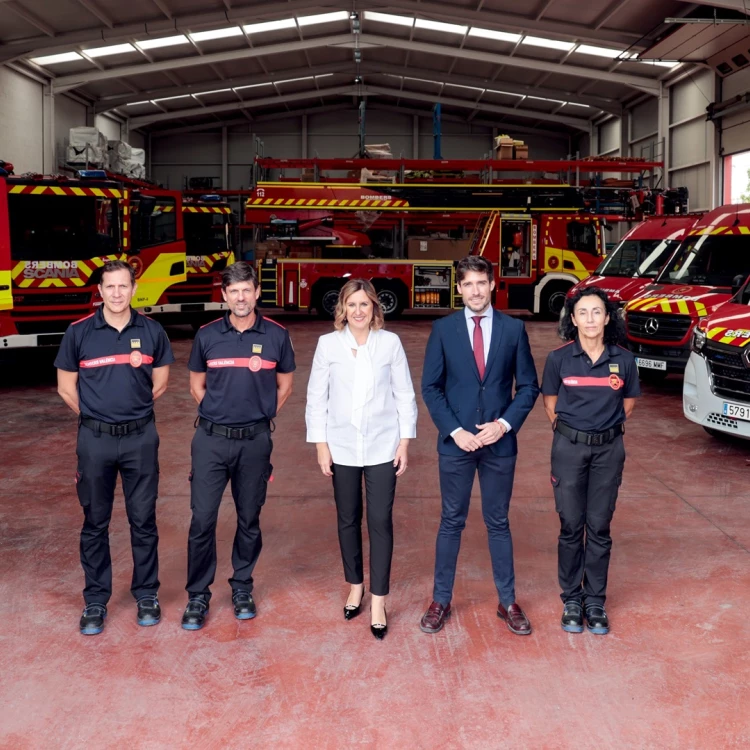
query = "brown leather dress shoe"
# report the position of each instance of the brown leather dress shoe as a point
(515, 619)
(434, 618)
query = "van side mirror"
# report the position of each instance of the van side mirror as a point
(737, 283)
(147, 205)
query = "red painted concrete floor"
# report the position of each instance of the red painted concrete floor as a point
(673, 673)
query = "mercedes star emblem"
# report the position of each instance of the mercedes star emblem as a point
(651, 326)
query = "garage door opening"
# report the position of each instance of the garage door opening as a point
(737, 178)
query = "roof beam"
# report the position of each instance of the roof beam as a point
(641, 83)
(573, 122)
(740, 5)
(97, 12)
(30, 17)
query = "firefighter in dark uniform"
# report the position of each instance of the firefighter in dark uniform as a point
(110, 368)
(589, 390)
(240, 374)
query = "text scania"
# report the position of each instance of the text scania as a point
(51, 269)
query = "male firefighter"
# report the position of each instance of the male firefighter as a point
(240, 374)
(110, 368)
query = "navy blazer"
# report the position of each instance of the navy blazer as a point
(454, 393)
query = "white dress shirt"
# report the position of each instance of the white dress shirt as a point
(386, 410)
(486, 325)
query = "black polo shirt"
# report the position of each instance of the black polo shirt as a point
(114, 367)
(590, 395)
(241, 369)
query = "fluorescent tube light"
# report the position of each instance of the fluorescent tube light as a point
(339, 15)
(257, 28)
(167, 41)
(137, 104)
(506, 93)
(115, 49)
(171, 98)
(372, 15)
(216, 91)
(544, 99)
(587, 49)
(447, 28)
(294, 80)
(576, 104)
(500, 36)
(54, 59)
(205, 36)
(252, 86)
(538, 41)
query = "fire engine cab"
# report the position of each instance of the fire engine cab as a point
(56, 234)
(711, 264)
(639, 257)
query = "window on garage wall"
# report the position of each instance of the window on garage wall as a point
(737, 178)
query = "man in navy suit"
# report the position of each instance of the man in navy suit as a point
(472, 359)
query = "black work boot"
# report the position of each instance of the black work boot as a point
(149, 611)
(195, 613)
(244, 605)
(572, 617)
(92, 619)
(596, 619)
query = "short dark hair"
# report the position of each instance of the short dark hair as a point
(614, 331)
(239, 271)
(117, 265)
(473, 263)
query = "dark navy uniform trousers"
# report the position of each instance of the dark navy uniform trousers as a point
(217, 460)
(135, 457)
(586, 480)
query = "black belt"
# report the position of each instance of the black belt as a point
(118, 430)
(236, 433)
(589, 438)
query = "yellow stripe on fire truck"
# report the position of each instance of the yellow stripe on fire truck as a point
(369, 203)
(57, 190)
(733, 336)
(662, 304)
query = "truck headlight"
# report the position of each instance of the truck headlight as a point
(698, 341)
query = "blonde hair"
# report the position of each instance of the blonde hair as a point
(352, 287)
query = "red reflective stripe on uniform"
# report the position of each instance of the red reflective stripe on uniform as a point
(271, 320)
(563, 346)
(605, 381)
(253, 363)
(76, 322)
(114, 359)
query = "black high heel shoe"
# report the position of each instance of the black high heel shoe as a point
(378, 630)
(350, 611)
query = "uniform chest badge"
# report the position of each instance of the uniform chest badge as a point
(615, 383)
(255, 364)
(257, 348)
(614, 368)
(135, 343)
(136, 359)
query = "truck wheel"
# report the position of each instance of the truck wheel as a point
(553, 300)
(326, 306)
(391, 302)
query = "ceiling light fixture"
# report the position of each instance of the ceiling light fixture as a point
(500, 36)
(137, 104)
(587, 49)
(205, 36)
(339, 15)
(446, 28)
(215, 91)
(372, 15)
(538, 41)
(257, 28)
(171, 98)
(55, 59)
(167, 41)
(115, 49)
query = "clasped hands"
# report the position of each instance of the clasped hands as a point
(489, 432)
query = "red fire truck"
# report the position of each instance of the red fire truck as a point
(709, 267)
(55, 235)
(210, 243)
(638, 258)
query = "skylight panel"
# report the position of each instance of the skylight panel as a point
(538, 41)
(205, 36)
(446, 28)
(339, 15)
(506, 93)
(587, 49)
(215, 91)
(139, 104)
(544, 99)
(576, 104)
(167, 41)
(294, 80)
(115, 49)
(62, 57)
(372, 15)
(252, 86)
(500, 36)
(257, 28)
(172, 98)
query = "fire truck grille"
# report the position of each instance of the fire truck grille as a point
(658, 327)
(175, 299)
(730, 376)
(43, 326)
(28, 299)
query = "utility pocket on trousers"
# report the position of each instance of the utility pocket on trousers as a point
(555, 482)
(615, 492)
(83, 497)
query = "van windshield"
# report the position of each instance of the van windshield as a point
(637, 258)
(709, 260)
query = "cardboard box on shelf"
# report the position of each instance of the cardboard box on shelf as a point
(504, 152)
(522, 152)
(417, 249)
(502, 140)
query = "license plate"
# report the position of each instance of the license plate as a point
(651, 364)
(737, 411)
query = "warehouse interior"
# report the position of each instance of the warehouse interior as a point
(638, 109)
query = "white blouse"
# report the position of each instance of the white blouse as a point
(360, 405)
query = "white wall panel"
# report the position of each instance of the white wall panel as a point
(691, 142)
(137, 139)
(109, 127)
(68, 114)
(691, 96)
(735, 129)
(644, 119)
(609, 137)
(21, 121)
(698, 181)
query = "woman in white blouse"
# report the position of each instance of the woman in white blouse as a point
(361, 414)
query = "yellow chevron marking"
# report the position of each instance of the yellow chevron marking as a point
(310, 202)
(744, 230)
(354, 203)
(18, 268)
(682, 307)
(726, 339)
(98, 193)
(25, 284)
(98, 262)
(52, 282)
(17, 189)
(278, 202)
(365, 203)
(700, 308)
(39, 189)
(718, 230)
(256, 201)
(666, 306)
(78, 282)
(78, 191)
(333, 203)
(116, 193)
(267, 201)
(714, 332)
(57, 190)
(343, 203)
(289, 202)
(376, 203)
(322, 203)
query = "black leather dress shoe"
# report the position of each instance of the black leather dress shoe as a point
(572, 617)
(195, 613)
(244, 605)
(92, 619)
(596, 619)
(149, 611)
